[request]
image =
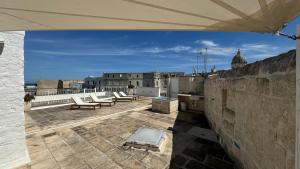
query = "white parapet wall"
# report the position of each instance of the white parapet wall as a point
(148, 91)
(13, 151)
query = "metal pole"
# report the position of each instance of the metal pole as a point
(297, 151)
(205, 60)
(198, 61)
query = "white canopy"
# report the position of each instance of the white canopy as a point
(209, 15)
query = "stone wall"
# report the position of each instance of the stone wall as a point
(191, 85)
(252, 109)
(147, 91)
(13, 151)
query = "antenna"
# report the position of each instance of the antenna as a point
(205, 60)
(197, 66)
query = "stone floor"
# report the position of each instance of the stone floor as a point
(79, 139)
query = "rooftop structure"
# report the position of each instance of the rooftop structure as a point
(238, 60)
(92, 82)
(276, 121)
(94, 139)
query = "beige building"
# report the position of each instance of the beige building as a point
(71, 84)
(149, 79)
(117, 81)
(45, 87)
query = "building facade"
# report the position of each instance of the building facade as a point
(151, 79)
(121, 81)
(46, 87)
(92, 82)
(73, 84)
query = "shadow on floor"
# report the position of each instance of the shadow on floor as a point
(191, 152)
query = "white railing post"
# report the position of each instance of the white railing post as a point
(48, 95)
(84, 94)
(95, 90)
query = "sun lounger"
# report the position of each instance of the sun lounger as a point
(79, 103)
(100, 101)
(119, 98)
(125, 95)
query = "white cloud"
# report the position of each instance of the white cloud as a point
(207, 43)
(256, 46)
(222, 51)
(153, 50)
(89, 52)
(252, 51)
(178, 49)
(39, 40)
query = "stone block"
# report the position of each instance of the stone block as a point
(229, 115)
(154, 162)
(284, 86)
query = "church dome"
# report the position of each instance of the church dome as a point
(238, 60)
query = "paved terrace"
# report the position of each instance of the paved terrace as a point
(93, 139)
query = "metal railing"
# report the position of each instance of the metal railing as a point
(56, 97)
(47, 92)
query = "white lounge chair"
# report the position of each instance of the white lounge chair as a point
(79, 103)
(100, 101)
(119, 98)
(125, 95)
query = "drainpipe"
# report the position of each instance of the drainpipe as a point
(297, 153)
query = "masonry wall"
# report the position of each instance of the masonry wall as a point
(253, 111)
(13, 151)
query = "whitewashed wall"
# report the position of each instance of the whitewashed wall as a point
(13, 151)
(148, 91)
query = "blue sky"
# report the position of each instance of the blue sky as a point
(78, 54)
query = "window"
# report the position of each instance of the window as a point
(137, 76)
(137, 83)
(156, 83)
(129, 82)
(113, 76)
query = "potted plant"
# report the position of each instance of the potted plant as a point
(130, 89)
(27, 102)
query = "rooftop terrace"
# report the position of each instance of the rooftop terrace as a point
(79, 139)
